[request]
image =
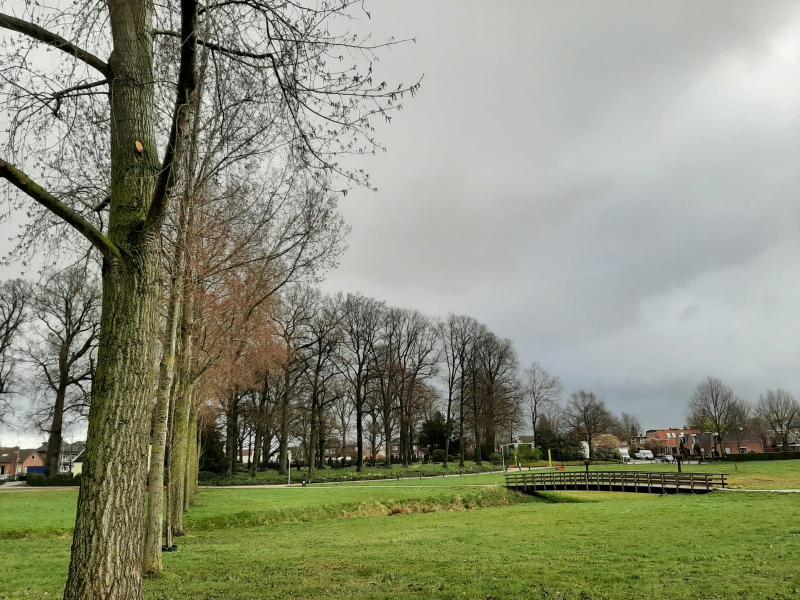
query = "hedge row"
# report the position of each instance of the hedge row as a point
(759, 456)
(60, 479)
(333, 476)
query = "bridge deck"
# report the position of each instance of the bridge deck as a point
(617, 481)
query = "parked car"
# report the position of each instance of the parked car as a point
(667, 458)
(644, 455)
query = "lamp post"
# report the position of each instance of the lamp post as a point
(289, 461)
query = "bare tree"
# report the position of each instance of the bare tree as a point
(540, 388)
(629, 428)
(498, 388)
(360, 322)
(455, 337)
(470, 334)
(781, 412)
(66, 308)
(323, 336)
(587, 417)
(14, 299)
(714, 407)
(343, 410)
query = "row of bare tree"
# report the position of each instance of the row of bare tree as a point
(198, 148)
(351, 360)
(714, 407)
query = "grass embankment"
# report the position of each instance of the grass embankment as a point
(51, 513)
(337, 542)
(345, 474)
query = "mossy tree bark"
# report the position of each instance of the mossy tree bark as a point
(180, 425)
(193, 457)
(109, 528)
(151, 556)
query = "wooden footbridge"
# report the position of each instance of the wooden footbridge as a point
(616, 481)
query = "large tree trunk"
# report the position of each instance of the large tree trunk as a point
(360, 430)
(387, 432)
(109, 528)
(180, 425)
(255, 458)
(151, 559)
(54, 439)
(231, 433)
(313, 433)
(402, 438)
(192, 459)
(283, 438)
(448, 428)
(461, 424)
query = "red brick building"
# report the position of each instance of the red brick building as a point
(732, 443)
(668, 441)
(15, 461)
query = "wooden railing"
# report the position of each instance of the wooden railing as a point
(616, 481)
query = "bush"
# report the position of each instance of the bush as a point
(606, 454)
(36, 479)
(439, 455)
(526, 454)
(495, 457)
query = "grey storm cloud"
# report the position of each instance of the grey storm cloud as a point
(582, 177)
(612, 185)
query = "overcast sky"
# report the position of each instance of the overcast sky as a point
(612, 185)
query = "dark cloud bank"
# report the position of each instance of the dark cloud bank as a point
(613, 186)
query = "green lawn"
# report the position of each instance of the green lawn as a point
(340, 542)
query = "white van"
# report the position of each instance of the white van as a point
(644, 455)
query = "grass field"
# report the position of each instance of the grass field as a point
(445, 538)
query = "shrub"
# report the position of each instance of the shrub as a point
(439, 455)
(495, 458)
(36, 479)
(526, 454)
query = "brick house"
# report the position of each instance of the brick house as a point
(69, 452)
(18, 461)
(732, 443)
(9, 459)
(668, 441)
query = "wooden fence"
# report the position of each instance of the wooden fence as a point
(616, 481)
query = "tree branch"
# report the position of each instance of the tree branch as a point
(216, 47)
(181, 117)
(57, 207)
(60, 94)
(52, 39)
